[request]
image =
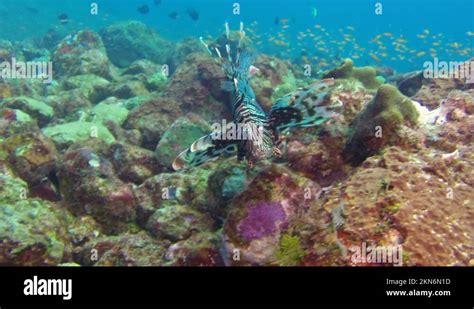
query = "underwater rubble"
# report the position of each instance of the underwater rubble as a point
(86, 177)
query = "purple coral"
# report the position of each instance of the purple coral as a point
(261, 220)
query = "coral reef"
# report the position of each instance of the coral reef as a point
(89, 158)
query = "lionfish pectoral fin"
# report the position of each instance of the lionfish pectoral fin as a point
(303, 108)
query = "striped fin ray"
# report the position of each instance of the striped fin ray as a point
(207, 148)
(303, 108)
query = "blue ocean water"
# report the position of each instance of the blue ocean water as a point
(424, 28)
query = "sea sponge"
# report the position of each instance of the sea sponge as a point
(378, 123)
(366, 75)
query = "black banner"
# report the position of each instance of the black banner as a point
(147, 285)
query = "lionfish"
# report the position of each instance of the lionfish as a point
(261, 130)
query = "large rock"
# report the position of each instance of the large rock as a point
(41, 111)
(176, 222)
(201, 249)
(71, 105)
(105, 112)
(89, 186)
(418, 201)
(32, 155)
(14, 121)
(132, 163)
(262, 215)
(64, 135)
(82, 54)
(31, 232)
(124, 250)
(152, 118)
(197, 87)
(129, 41)
(182, 133)
(380, 123)
(94, 87)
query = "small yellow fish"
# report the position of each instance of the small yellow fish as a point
(422, 53)
(373, 56)
(470, 33)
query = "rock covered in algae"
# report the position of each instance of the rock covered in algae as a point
(263, 213)
(367, 76)
(416, 200)
(378, 123)
(70, 105)
(31, 232)
(182, 133)
(177, 222)
(132, 163)
(89, 186)
(168, 188)
(152, 118)
(81, 54)
(64, 135)
(274, 80)
(41, 111)
(32, 155)
(94, 88)
(133, 40)
(104, 112)
(196, 86)
(138, 249)
(14, 121)
(201, 249)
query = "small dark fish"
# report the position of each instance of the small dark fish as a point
(193, 14)
(157, 2)
(63, 18)
(144, 9)
(32, 10)
(277, 20)
(173, 15)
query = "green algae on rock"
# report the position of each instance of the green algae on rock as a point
(104, 112)
(24, 241)
(37, 109)
(365, 75)
(67, 134)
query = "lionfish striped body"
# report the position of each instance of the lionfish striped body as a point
(299, 109)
